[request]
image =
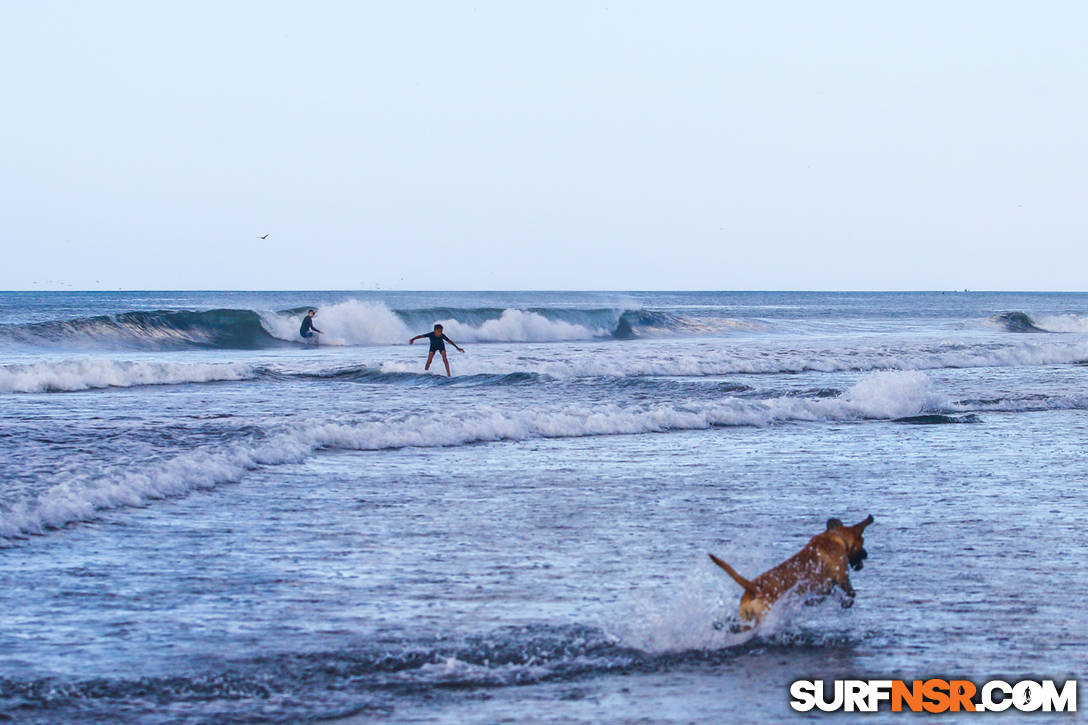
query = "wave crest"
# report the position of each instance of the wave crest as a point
(346, 323)
(1017, 322)
(351, 322)
(881, 396)
(147, 330)
(70, 375)
(522, 326)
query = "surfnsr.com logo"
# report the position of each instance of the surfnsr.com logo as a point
(933, 696)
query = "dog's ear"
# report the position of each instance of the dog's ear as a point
(860, 526)
(833, 523)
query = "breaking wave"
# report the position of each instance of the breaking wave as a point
(1023, 322)
(1017, 322)
(1065, 323)
(85, 374)
(345, 323)
(710, 360)
(62, 376)
(155, 330)
(884, 395)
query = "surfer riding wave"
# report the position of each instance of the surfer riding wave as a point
(307, 330)
(438, 342)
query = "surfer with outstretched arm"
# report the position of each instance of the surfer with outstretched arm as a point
(307, 330)
(438, 344)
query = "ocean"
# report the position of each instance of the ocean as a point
(204, 520)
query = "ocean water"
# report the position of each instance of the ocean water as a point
(204, 520)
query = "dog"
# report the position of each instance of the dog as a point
(812, 573)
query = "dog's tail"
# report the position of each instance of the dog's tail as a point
(748, 586)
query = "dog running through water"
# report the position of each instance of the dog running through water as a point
(812, 573)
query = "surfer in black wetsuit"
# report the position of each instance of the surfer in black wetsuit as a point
(438, 341)
(307, 330)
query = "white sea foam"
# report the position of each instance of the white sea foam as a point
(83, 374)
(453, 670)
(893, 395)
(1064, 323)
(202, 468)
(520, 326)
(372, 323)
(345, 323)
(694, 613)
(698, 611)
(884, 395)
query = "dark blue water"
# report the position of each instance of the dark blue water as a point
(202, 519)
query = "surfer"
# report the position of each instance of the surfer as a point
(438, 341)
(307, 330)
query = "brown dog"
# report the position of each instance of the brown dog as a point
(812, 573)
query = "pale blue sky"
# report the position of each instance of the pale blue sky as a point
(549, 145)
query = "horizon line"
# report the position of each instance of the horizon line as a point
(555, 290)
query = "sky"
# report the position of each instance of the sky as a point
(543, 145)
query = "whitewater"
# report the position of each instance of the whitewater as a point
(205, 518)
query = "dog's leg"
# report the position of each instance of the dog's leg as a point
(847, 595)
